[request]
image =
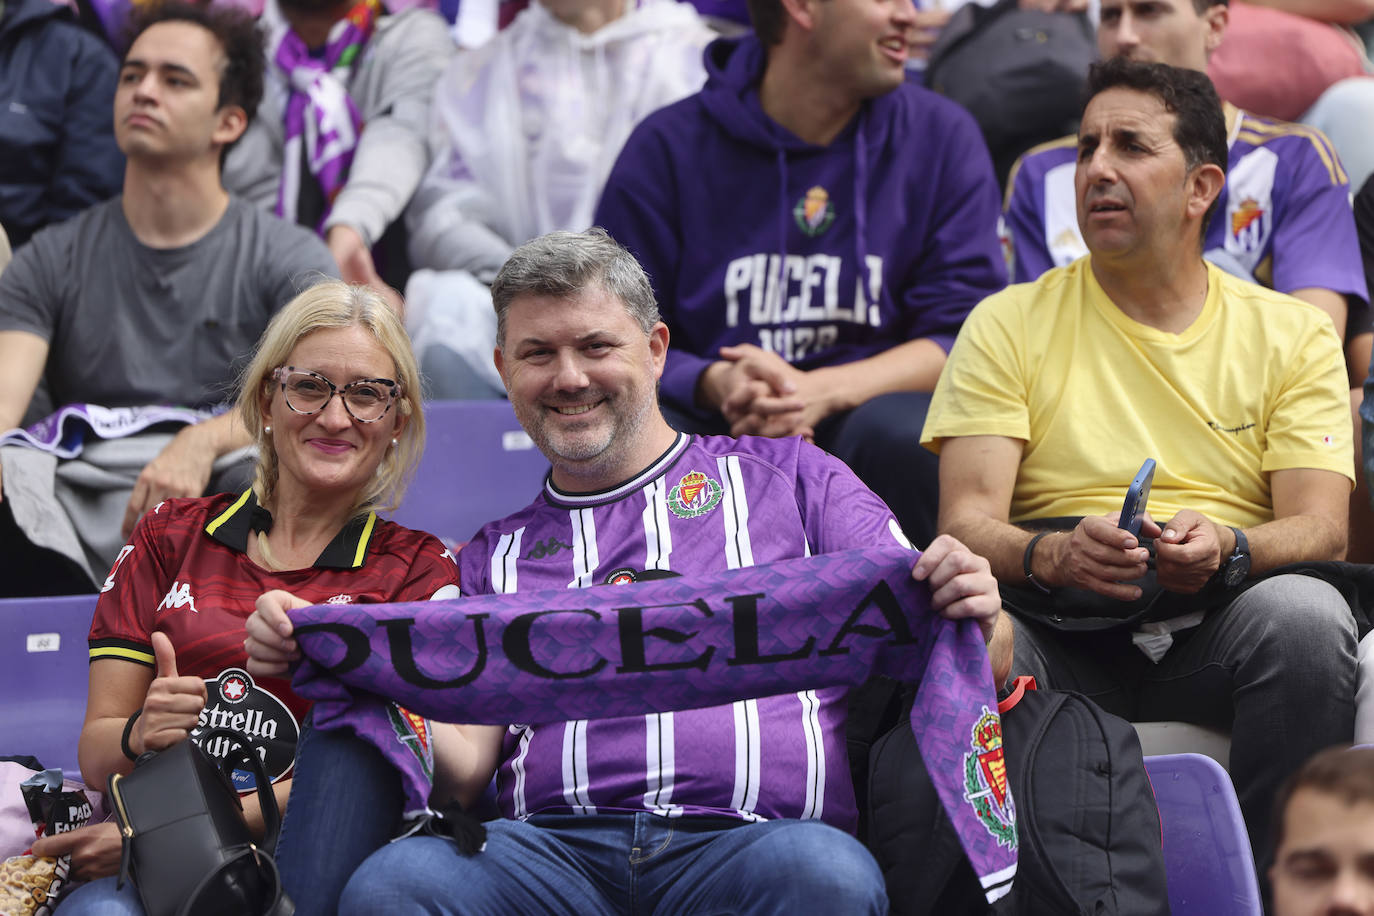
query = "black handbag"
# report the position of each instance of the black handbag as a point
(185, 843)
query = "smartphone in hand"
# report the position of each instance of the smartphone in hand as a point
(1133, 510)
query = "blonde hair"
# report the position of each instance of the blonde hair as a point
(332, 304)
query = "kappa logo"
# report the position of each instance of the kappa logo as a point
(340, 599)
(179, 596)
(695, 494)
(546, 548)
(985, 780)
(814, 212)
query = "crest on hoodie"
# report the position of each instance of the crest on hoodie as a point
(814, 212)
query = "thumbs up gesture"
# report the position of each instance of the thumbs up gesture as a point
(172, 705)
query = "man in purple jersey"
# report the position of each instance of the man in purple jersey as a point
(739, 808)
(816, 228)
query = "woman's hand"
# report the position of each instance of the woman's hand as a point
(94, 849)
(172, 706)
(269, 645)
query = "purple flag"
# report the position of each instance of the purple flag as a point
(670, 644)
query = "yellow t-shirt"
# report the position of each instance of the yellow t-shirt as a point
(1256, 384)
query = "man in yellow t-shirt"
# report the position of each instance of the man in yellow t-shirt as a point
(1057, 391)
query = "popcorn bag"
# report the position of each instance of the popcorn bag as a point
(29, 884)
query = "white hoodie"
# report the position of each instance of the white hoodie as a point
(526, 128)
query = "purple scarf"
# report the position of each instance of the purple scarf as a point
(661, 645)
(319, 112)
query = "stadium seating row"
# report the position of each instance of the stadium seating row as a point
(480, 465)
(43, 686)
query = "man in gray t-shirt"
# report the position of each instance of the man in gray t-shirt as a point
(158, 296)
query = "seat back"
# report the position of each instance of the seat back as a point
(478, 466)
(1159, 738)
(43, 676)
(1206, 849)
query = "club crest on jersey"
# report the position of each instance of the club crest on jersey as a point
(695, 494)
(1247, 225)
(985, 780)
(413, 731)
(814, 212)
(1068, 244)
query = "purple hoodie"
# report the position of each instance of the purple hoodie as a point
(716, 200)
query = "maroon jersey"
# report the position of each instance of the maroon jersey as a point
(186, 573)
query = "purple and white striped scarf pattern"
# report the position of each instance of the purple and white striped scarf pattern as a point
(319, 112)
(662, 645)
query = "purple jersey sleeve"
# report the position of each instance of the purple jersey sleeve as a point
(960, 261)
(637, 208)
(1024, 220)
(839, 512)
(1315, 244)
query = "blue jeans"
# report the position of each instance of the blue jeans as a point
(1275, 667)
(625, 863)
(346, 802)
(99, 898)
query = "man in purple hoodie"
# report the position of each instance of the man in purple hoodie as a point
(816, 229)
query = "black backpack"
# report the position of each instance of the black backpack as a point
(1019, 72)
(1088, 828)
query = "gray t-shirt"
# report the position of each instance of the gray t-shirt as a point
(129, 325)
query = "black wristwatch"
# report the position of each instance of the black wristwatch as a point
(1236, 567)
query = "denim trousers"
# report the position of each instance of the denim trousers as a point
(1275, 667)
(101, 898)
(346, 802)
(344, 807)
(626, 863)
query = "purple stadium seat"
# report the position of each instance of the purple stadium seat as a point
(43, 676)
(1206, 850)
(478, 466)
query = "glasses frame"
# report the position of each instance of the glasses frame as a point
(281, 373)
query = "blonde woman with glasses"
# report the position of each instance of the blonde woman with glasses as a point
(332, 398)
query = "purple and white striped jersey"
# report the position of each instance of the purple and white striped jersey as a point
(707, 504)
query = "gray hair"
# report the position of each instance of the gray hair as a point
(564, 265)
